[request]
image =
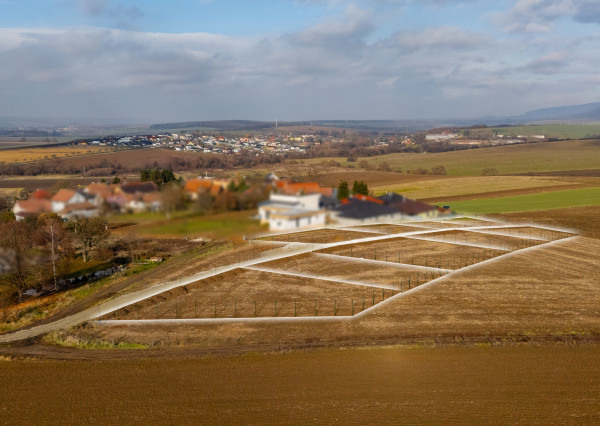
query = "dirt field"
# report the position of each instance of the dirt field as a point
(345, 268)
(584, 219)
(528, 232)
(389, 229)
(27, 155)
(47, 184)
(417, 252)
(478, 186)
(507, 385)
(546, 293)
(319, 236)
(484, 239)
(249, 293)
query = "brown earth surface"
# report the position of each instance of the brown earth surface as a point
(412, 251)
(482, 238)
(584, 219)
(389, 229)
(447, 385)
(319, 236)
(345, 268)
(544, 292)
(249, 293)
(528, 232)
(47, 184)
(333, 177)
(509, 192)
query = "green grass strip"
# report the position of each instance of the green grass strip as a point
(523, 203)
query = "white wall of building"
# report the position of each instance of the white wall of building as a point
(279, 223)
(308, 202)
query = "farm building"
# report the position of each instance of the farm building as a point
(389, 207)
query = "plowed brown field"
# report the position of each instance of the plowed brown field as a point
(498, 385)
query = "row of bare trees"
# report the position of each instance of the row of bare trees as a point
(40, 250)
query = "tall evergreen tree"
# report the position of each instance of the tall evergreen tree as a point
(343, 190)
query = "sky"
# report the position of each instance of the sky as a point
(153, 61)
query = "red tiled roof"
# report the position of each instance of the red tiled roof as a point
(194, 185)
(41, 194)
(293, 188)
(34, 206)
(63, 195)
(367, 198)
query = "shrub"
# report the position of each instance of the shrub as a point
(489, 171)
(438, 170)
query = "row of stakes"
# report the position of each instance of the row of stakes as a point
(317, 308)
(550, 235)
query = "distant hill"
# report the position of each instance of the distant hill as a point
(225, 125)
(585, 112)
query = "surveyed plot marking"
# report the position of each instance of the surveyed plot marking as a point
(404, 266)
(284, 251)
(318, 277)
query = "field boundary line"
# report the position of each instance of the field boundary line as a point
(458, 243)
(317, 277)
(324, 318)
(508, 234)
(362, 230)
(382, 262)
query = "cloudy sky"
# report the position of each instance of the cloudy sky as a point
(154, 61)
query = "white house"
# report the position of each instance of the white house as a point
(65, 197)
(288, 212)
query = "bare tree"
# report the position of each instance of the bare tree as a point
(89, 233)
(53, 235)
(15, 238)
(172, 199)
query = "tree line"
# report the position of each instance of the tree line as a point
(37, 251)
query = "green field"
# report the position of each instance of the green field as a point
(225, 225)
(522, 203)
(563, 131)
(509, 159)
